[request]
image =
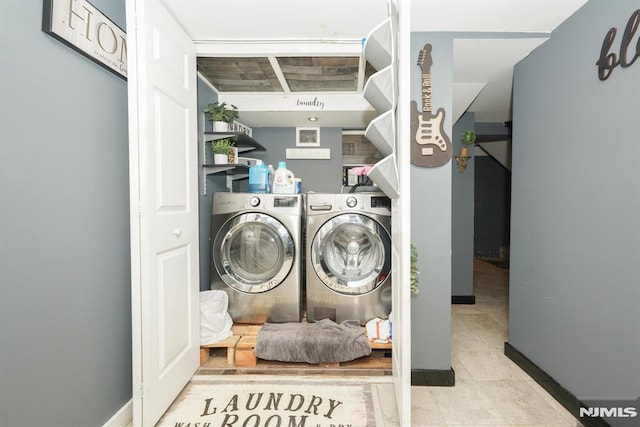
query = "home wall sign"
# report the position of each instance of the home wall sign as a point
(609, 61)
(78, 24)
(430, 145)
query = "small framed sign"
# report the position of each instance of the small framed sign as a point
(308, 137)
(80, 25)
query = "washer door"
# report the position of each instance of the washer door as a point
(350, 253)
(253, 252)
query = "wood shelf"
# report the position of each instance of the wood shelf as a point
(228, 169)
(244, 142)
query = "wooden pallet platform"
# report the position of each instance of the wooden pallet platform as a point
(230, 344)
(380, 345)
(244, 351)
(237, 332)
(239, 353)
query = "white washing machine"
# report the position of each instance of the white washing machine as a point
(348, 263)
(256, 248)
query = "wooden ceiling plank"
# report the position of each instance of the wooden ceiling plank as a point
(275, 66)
(285, 74)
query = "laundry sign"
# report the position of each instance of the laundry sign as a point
(244, 404)
(314, 103)
(80, 25)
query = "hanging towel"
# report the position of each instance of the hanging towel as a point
(360, 170)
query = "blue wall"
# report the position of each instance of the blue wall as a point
(462, 214)
(492, 206)
(317, 175)
(575, 240)
(214, 182)
(65, 304)
(431, 221)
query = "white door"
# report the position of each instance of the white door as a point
(164, 214)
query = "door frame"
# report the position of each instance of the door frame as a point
(400, 235)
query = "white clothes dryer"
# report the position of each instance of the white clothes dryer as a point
(256, 247)
(348, 264)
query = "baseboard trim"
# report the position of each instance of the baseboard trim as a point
(433, 377)
(123, 417)
(463, 299)
(555, 389)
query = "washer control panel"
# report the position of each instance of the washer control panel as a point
(254, 201)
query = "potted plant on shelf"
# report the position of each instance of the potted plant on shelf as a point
(222, 115)
(221, 149)
(468, 138)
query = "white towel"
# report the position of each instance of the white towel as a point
(379, 330)
(215, 321)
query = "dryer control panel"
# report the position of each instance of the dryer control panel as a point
(380, 202)
(286, 201)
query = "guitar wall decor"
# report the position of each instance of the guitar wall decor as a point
(430, 145)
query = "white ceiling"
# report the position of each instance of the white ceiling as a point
(483, 64)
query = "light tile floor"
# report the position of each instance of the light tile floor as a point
(490, 389)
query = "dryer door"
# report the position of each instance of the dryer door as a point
(253, 252)
(350, 253)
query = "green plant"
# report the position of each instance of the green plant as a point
(468, 137)
(220, 112)
(414, 269)
(222, 146)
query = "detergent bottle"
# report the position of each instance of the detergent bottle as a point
(283, 180)
(258, 178)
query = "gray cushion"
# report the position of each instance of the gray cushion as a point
(324, 341)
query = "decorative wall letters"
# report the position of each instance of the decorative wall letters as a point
(80, 25)
(609, 61)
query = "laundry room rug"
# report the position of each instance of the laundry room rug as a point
(271, 404)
